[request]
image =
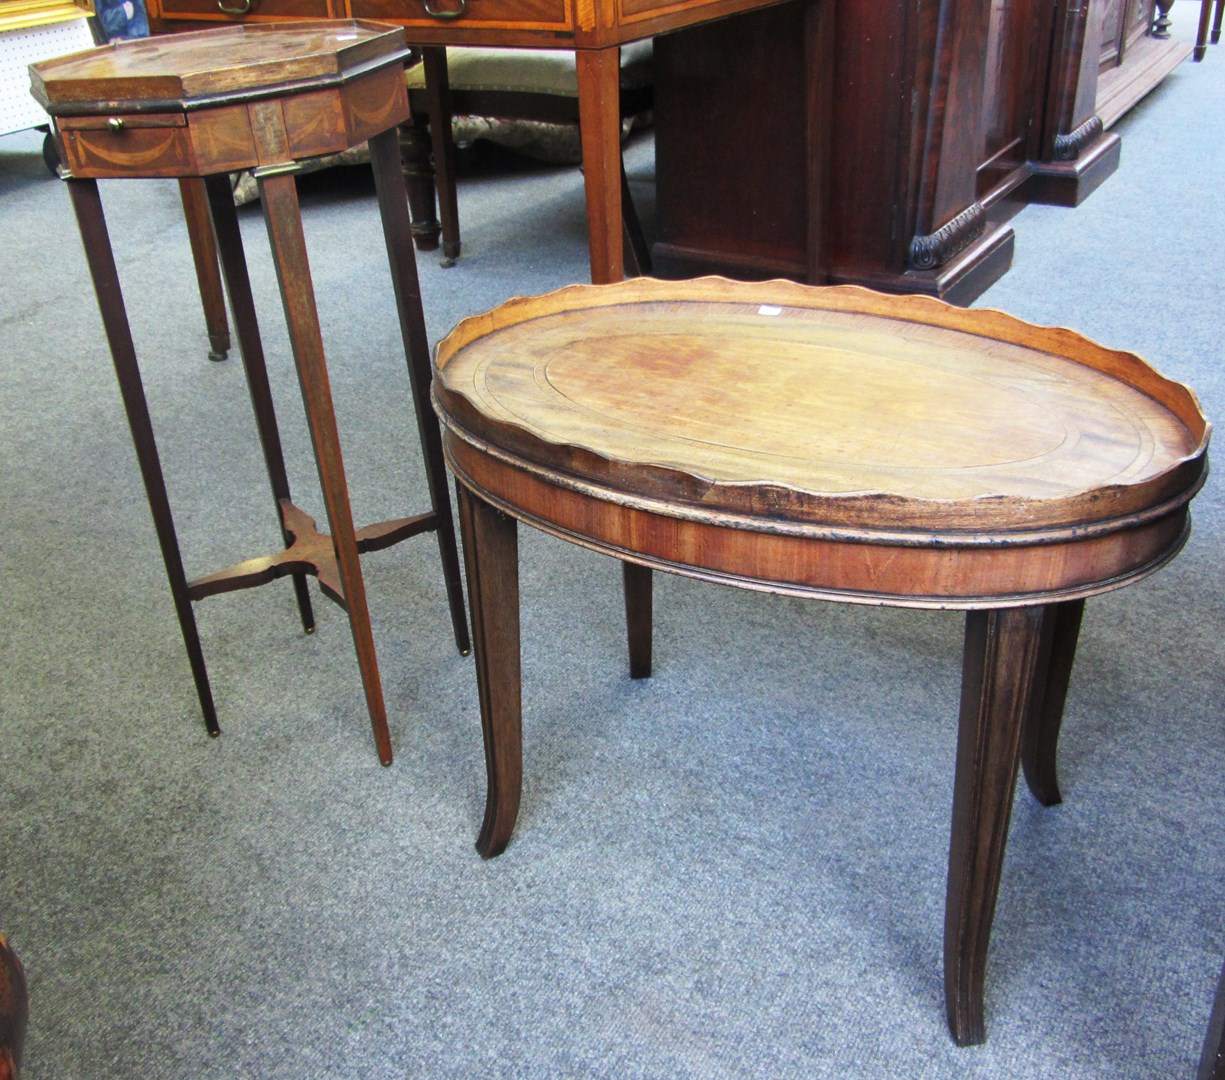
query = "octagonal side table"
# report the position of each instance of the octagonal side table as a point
(201, 105)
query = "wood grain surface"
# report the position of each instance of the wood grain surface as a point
(213, 63)
(836, 398)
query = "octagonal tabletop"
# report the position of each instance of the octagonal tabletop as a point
(206, 67)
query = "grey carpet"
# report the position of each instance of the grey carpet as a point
(735, 869)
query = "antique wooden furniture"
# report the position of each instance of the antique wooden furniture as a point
(832, 443)
(1136, 52)
(594, 30)
(258, 97)
(1209, 26)
(946, 119)
(14, 1011)
(1212, 1057)
(511, 84)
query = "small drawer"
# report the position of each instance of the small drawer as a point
(551, 15)
(244, 9)
(144, 144)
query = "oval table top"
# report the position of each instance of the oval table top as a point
(835, 412)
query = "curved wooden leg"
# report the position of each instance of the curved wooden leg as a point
(491, 551)
(279, 197)
(204, 255)
(389, 183)
(1001, 660)
(14, 1010)
(638, 610)
(1040, 742)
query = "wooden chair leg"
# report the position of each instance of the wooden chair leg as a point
(1201, 37)
(438, 99)
(1217, 20)
(419, 180)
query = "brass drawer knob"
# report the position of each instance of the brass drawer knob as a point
(439, 13)
(115, 123)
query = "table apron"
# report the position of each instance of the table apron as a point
(976, 575)
(226, 138)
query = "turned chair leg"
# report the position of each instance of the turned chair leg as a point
(438, 105)
(419, 179)
(1205, 23)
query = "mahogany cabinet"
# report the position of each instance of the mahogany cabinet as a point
(1134, 57)
(945, 117)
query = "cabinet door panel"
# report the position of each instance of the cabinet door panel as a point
(1139, 19)
(1114, 15)
(1009, 92)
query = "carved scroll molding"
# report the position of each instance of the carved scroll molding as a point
(1068, 147)
(928, 252)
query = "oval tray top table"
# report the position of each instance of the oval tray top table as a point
(197, 107)
(833, 443)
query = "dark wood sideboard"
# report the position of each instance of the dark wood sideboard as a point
(947, 116)
(876, 142)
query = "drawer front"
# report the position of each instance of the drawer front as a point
(158, 144)
(458, 15)
(148, 144)
(239, 10)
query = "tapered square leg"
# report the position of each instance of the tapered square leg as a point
(639, 605)
(279, 196)
(246, 327)
(92, 222)
(204, 255)
(397, 230)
